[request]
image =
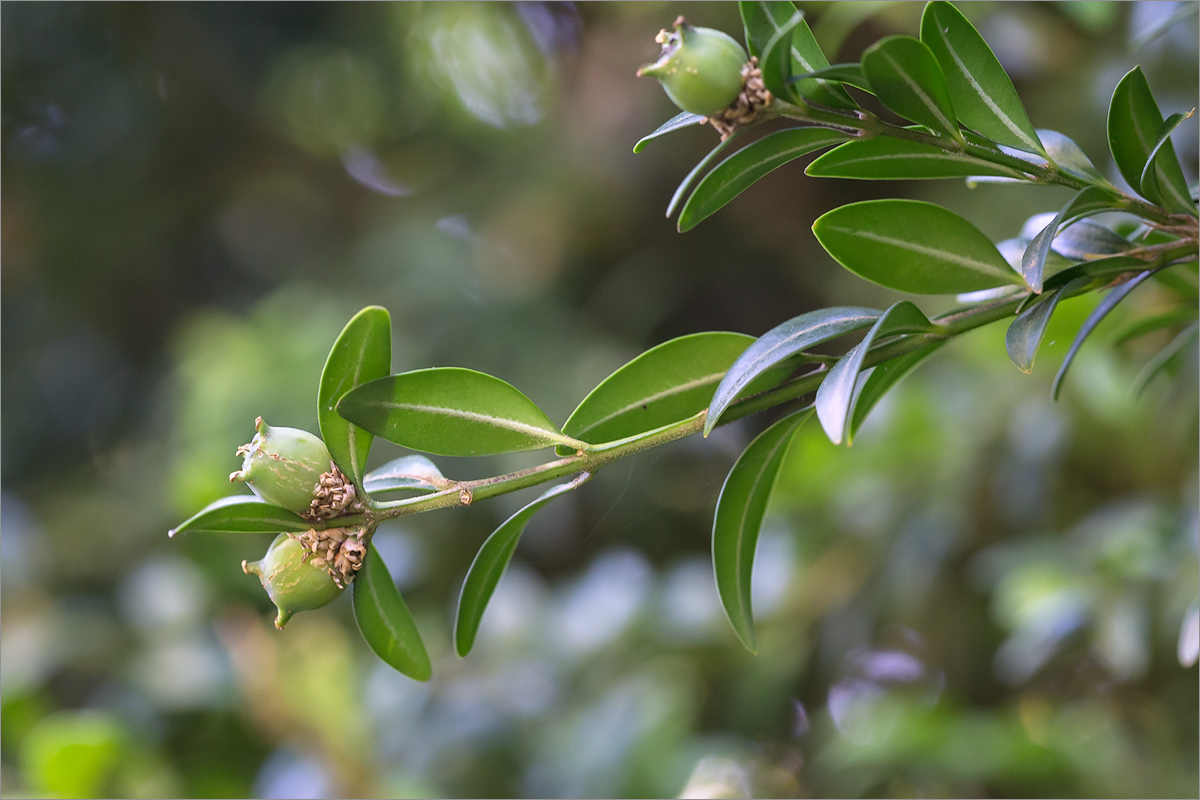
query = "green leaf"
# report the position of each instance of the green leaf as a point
(835, 397)
(684, 119)
(762, 20)
(408, 472)
(781, 343)
(1085, 239)
(1025, 334)
(1068, 155)
(881, 378)
(451, 411)
(907, 79)
(1163, 358)
(362, 353)
(489, 564)
(385, 621)
(983, 94)
(241, 514)
(735, 174)
(690, 178)
(1134, 128)
(1100, 312)
(1100, 269)
(776, 60)
(850, 73)
(899, 159)
(739, 516)
(1152, 184)
(663, 386)
(1088, 200)
(912, 246)
(1152, 323)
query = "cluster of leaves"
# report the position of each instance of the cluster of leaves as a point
(967, 122)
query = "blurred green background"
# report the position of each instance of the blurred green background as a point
(983, 597)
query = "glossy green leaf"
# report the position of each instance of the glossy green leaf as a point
(1154, 322)
(776, 59)
(738, 520)
(763, 19)
(664, 385)
(735, 174)
(1102, 269)
(908, 80)
(241, 514)
(985, 99)
(1106, 305)
(912, 246)
(899, 159)
(1163, 358)
(850, 73)
(451, 411)
(779, 344)
(1134, 127)
(1152, 182)
(489, 564)
(1089, 200)
(1025, 334)
(362, 353)
(1068, 155)
(1085, 239)
(684, 119)
(696, 171)
(880, 379)
(407, 472)
(385, 621)
(835, 397)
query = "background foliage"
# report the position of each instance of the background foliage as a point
(982, 596)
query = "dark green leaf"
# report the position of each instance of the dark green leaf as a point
(1154, 322)
(912, 246)
(776, 60)
(362, 353)
(850, 73)
(241, 514)
(663, 386)
(1163, 358)
(736, 173)
(907, 79)
(1134, 127)
(684, 119)
(1152, 183)
(835, 397)
(1100, 312)
(1085, 239)
(407, 472)
(1089, 200)
(762, 20)
(888, 158)
(738, 520)
(690, 178)
(385, 621)
(490, 563)
(881, 378)
(1101, 268)
(781, 343)
(1025, 334)
(1068, 155)
(451, 411)
(984, 97)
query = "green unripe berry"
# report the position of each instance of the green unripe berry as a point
(283, 465)
(294, 579)
(700, 68)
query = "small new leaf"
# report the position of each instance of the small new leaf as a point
(684, 119)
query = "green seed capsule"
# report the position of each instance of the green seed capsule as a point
(700, 68)
(283, 465)
(293, 582)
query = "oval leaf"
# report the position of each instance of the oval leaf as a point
(735, 174)
(1100, 312)
(1068, 155)
(451, 411)
(241, 514)
(362, 353)
(881, 378)
(408, 472)
(1134, 127)
(776, 59)
(490, 563)
(385, 621)
(835, 397)
(1088, 200)
(912, 246)
(1025, 334)
(665, 385)
(764, 19)
(907, 79)
(781, 343)
(684, 119)
(738, 520)
(899, 159)
(983, 94)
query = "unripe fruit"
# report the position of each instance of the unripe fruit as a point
(292, 580)
(700, 68)
(283, 465)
